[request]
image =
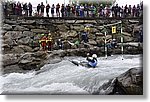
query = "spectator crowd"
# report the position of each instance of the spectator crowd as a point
(74, 10)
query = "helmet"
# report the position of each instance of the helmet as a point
(88, 54)
(94, 56)
(114, 39)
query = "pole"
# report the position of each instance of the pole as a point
(105, 46)
(121, 41)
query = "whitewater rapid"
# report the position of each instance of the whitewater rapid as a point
(66, 78)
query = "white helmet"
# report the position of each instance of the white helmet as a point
(94, 56)
(114, 39)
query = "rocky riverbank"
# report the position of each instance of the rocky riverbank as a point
(21, 50)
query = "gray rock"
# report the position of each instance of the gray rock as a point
(62, 27)
(14, 34)
(72, 33)
(9, 59)
(25, 48)
(132, 81)
(39, 31)
(7, 27)
(7, 21)
(24, 41)
(12, 69)
(17, 50)
(20, 28)
(92, 42)
(28, 22)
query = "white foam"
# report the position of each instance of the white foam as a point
(66, 77)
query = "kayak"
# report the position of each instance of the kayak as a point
(84, 63)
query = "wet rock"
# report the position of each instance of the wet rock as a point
(53, 60)
(131, 81)
(12, 69)
(128, 83)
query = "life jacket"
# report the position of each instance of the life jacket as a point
(43, 41)
(92, 63)
(49, 42)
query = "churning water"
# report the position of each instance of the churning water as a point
(66, 78)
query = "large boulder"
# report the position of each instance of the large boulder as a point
(131, 82)
(128, 83)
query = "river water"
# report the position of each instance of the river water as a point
(66, 78)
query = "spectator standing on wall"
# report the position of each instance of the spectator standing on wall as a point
(52, 10)
(5, 8)
(62, 10)
(42, 9)
(134, 11)
(38, 9)
(47, 10)
(68, 8)
(25, 9)
(126, 11)
(57, 10)
(138, 10)
(121, 12)
(73, 8)
(30, 9)
(13, 8)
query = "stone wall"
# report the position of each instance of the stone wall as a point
(21, 49)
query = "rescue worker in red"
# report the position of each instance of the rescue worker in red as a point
(49, 42)
(43, 42)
